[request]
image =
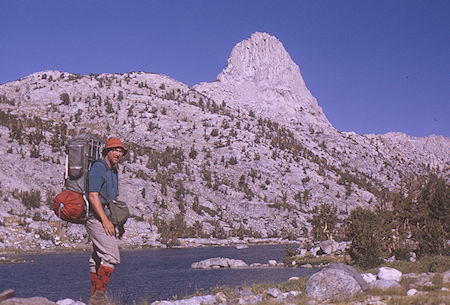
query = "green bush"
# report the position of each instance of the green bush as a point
(433, 223)
(402, 253)
(31, 199)
(434, 263)
(170, 232)
(218, 231)
(44, 234)
(324, 222)
(65, 98)
(370, 237)
(193, 153)
(423, 215)
(214, 132)
(431, 238)
(233, 161)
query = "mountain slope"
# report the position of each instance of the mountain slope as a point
(251, 154)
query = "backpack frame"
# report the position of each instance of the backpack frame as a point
(82, 151)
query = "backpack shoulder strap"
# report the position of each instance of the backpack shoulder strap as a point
(106, 178)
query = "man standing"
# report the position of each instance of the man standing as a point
(103, 188)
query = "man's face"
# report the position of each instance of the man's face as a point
(114, 155)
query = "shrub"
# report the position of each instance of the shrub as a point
(209, 211)
(31, 199)
(109, 107)
(431, 239)
(402, 253)
(197, 230)
(370, 236)
(65, 98)
(37, 217)
(324, 221)
(44, 234)
(214, 132)
(218, 231)
(170, 232)
(424, 215)
(34, 152)
(434, 222)
(305, 180)
(193, 153)
(233, 161)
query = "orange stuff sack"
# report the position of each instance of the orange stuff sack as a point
(69, 206)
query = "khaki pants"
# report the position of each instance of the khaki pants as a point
(106, 247)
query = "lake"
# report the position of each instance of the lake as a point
(150, 274)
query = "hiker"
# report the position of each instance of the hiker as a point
(103, 188)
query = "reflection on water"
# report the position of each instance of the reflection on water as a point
(152, 274)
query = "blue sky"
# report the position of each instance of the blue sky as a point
(374, 66)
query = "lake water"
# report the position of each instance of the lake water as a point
(151, 274)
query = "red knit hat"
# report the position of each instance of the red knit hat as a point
(115, 143)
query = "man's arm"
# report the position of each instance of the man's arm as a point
(94, 199)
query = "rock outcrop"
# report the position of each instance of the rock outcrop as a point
(261, 77)
(219, 262)
(390, 274)
(332, 284)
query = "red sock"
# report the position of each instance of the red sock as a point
(103, 274)
(93, 277)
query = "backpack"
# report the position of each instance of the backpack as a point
(72, 204)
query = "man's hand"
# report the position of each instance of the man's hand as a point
(109, 227)
(94, 199)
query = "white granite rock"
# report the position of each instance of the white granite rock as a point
(219, 262)
(69, 302)
(369, 277)
(273, 292)
(446, 277)
(332, 284)
(390, 274)
(272, 263)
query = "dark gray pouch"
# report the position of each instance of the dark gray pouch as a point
(119, 212)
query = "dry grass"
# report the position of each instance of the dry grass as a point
(439, 263)
(431, 298)
(314, 260)
(435, 264)
(12, 260)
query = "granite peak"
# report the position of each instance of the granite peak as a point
(261, 77)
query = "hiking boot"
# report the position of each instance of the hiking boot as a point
(98, 298)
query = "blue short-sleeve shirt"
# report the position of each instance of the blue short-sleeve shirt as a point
(104, 180)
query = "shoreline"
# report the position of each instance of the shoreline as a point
(191, 244)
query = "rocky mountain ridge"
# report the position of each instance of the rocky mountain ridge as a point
(262, 78)
(250, 155)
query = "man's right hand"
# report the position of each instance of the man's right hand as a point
(94, 199)
(109, 227)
